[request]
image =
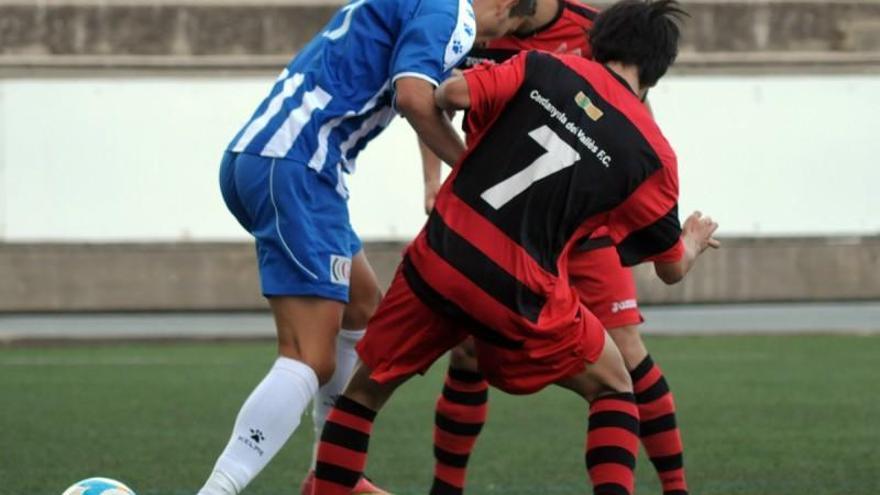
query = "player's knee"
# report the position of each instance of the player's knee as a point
(613, 382)
(608, 376)
(463, 357)
(323, 368)
(322, 363)
(616, 378)
(359, 311)
(620, 381)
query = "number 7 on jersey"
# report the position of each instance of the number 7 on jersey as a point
(558, 156)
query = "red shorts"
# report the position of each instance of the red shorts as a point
(605, 286)
(406, 336)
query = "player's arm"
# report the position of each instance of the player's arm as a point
(696, 238)
(646, 228)
(431, 174)
(428, 47)
(415, 101)
(483, 90)
(453, 94)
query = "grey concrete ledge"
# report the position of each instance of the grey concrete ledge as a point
(162, 32)
(223, 276)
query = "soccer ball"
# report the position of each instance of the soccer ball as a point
(98, 486)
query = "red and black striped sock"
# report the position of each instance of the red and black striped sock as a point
(613, 444)
(342, 453)
(659, 430)
(461, 412)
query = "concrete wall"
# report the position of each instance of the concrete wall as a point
(82, 277)
(199, 33)
(782, 269)
(41, 40)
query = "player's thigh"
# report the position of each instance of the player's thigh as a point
(301, 226)
(302, 232)
(364, 292)
(629, 341)
(606, 375)
(368, 392)
(307, 329)
(405, 336)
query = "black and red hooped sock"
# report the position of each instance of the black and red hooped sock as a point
(342, 452)
(659, 430)
(613, 444)
(460, 414)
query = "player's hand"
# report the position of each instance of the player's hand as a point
(697, 232)
(431, 190)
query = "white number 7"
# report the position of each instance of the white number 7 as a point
(559, 156)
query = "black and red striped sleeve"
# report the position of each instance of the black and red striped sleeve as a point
(490, 88)
(646, 226)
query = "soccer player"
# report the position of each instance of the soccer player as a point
(559, 147)
(605, 286)
(282, 178)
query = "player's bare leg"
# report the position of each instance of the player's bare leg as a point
(613, 434)
(342, 453)
(629, 342)
(364, 294)
(606, 376)
(658, 427)
(364, 297)
(306, 330)
(461, 411)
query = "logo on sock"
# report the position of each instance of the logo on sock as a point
(257, 435)
(253, 440)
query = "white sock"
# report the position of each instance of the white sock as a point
(218, 484)
(346, 358)
(266, 420)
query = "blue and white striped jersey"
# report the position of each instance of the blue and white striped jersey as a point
(337, 93)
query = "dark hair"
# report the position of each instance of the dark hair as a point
(524, 8)
(643, 33)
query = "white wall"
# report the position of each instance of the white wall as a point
(136, 159)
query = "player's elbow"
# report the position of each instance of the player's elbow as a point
(669, 273)
(414, 98)
(409, 104)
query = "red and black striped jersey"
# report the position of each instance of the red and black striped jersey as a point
(568, 32)
(560, 146)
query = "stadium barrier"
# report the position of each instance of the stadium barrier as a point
(240, 34)
(237, 35)
(223, 276)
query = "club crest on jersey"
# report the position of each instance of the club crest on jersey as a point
(340, 269)
(587, 106)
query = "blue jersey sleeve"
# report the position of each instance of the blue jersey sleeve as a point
(434, 41)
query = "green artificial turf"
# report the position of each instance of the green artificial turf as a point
(760, 415)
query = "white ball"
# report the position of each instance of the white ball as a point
(98, 486)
